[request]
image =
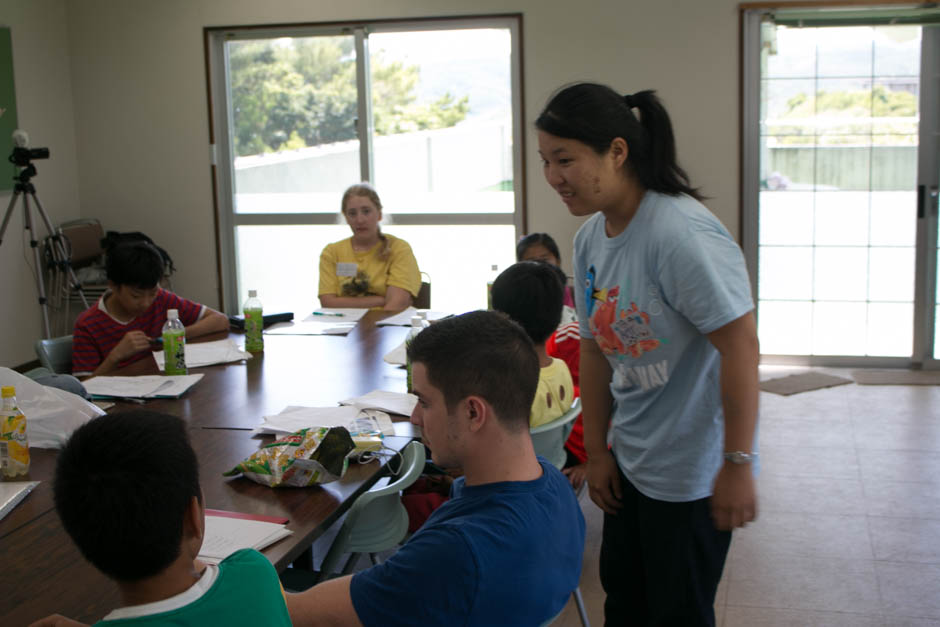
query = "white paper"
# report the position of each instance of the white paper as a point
(143, 386)
(12, 492)
(392, 402)
(294, 418)
(398, 356)
(326, 326)
(403, 319)
(207, 353)
(225, 535)
(346, 314)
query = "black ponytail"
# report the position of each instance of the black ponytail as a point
(595, 114)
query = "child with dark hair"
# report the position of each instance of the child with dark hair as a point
(121, 326)
(127, 490)
(530, 293)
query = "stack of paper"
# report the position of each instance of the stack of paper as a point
(227, 532)
(398, 356)
(207, 353)
(12, 492)
(320, 326)
(144, 386)
(392, 402)
(294, 418)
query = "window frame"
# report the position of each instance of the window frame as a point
(221, 141)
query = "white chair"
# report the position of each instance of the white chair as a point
(549, 439)
(377, 521)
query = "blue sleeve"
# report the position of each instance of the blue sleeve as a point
(580, 284)
(705, 279)
(417, 584)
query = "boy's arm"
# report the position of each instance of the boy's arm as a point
(326, 604)
(211, 321)
(57, 620)
(132, 343)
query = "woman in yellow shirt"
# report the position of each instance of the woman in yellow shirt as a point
(369, 269)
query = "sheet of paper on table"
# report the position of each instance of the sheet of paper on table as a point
(392, 402)
(226, 534)
(398, 356)
(143, 386)
(319, 326)
(344, 314)
(403, 319)
(12, 492)
(207, 353)
(294, 418)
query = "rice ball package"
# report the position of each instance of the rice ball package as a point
(310, 456)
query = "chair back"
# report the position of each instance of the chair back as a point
(423, 299)
(549, 439)
(377, 521)
(56, 354)
(83, 240)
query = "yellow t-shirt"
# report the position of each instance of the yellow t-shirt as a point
(346, 272)
(554, 395)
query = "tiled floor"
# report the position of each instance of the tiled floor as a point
(849, 526)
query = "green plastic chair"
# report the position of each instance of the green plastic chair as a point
(55, 354)
(377, 521)
(549, 439)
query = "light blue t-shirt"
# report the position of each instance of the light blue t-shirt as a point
(647, 297)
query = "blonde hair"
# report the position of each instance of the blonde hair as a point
(366, 190)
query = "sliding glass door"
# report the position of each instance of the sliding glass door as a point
(839, 222)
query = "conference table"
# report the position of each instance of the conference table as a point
(41, 570)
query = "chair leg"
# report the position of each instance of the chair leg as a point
(580, 603)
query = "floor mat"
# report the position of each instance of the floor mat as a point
(897, 377)
(796, 383)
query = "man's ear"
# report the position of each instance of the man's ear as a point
(194, 522)
(477, 412)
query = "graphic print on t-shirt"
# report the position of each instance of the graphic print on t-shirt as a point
(357, 285)
(618, 331)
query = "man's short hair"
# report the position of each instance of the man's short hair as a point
(123, 483)
(481, 353)
(533, 294)
(137, 264)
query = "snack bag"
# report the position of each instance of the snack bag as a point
(303, 458)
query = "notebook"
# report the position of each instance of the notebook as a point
(227, 532)
(12, 492)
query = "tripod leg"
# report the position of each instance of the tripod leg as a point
(40, 285)
(59, 253)
(9, 212)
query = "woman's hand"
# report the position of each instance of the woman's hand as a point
(603, 479)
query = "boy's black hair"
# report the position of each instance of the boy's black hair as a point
(542, 239)
(123, 483)
(481, 353)
(136, 264)
(596, 114)
(532, 293)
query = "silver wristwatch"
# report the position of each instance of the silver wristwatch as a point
(740, 457)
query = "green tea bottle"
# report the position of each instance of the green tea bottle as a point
(174, 343)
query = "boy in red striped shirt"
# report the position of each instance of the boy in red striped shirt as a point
(120, 328)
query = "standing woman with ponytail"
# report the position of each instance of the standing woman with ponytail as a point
(669, 355)
(369, 269)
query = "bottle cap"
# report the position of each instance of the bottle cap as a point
(252, 293)
(172, 314)
(8, 391)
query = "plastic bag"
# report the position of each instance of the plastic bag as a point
(51, 414)
(304, 458)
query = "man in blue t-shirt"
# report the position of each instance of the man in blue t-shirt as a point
(506, 548)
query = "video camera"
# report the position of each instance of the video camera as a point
(22, 154)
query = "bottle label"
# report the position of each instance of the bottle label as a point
(174, 352)
(14, 446)
(254, 324)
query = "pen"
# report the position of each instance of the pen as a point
(329, 313)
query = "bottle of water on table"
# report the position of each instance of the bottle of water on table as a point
(174, 343)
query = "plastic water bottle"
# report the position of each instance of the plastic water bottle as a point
(174, 343)
(417, 325)
(254, 323)
(14, 445)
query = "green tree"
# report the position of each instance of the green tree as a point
(877, 102)
(288, 94)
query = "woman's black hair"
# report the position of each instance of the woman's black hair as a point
(532, 239)
(596, 114)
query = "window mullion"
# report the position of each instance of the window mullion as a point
(364, 124)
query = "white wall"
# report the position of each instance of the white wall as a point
(40, 34)
(141, 120)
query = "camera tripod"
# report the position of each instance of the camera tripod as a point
(25, 190)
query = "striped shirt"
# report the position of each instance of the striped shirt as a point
(97, 332)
